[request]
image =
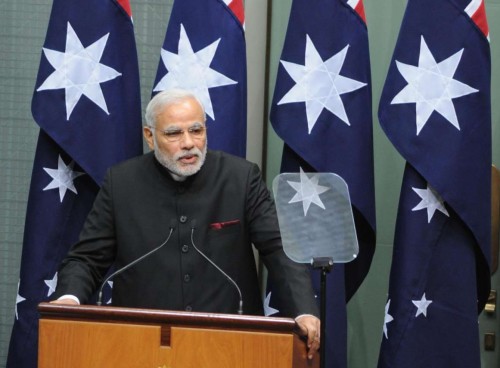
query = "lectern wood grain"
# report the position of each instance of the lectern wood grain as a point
(84, 344)
(89, 336)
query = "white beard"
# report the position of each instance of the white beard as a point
(172, 163)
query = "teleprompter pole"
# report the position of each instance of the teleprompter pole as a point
(325, 265)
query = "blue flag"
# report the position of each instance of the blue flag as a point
(87, 104)
(435, 109)
(204, 52)
(322, 110)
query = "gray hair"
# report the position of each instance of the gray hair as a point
(167, 98)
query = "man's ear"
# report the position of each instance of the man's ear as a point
(148, 136)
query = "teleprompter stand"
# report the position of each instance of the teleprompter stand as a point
(317, 227)
(325, 265)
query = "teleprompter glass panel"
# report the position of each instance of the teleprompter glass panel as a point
(315, 217)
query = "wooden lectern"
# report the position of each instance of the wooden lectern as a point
(95, 337)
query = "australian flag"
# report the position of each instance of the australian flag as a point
(435, 109)
(87, 105)
(322, 110)
(204, 52)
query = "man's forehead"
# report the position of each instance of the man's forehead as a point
(180, 118)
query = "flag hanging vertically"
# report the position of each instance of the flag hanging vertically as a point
(204, 52)
(435, 109)
(322, 110)
(87, 105)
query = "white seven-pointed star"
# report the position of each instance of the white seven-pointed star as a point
(421, 305)
(79, 71)
(19, 298)
(51, 284)
(308, 191)
(268, 310)
(387, 318)
(191, 71)
(62, 177)
(430, 200)
(319, 84)
(431, 86)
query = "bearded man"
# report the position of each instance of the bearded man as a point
(207, 208)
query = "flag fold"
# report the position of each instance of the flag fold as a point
(87, 105)
(435, 109)
(322, 110)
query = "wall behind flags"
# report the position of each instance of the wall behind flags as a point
(22, 29)
(23, 24)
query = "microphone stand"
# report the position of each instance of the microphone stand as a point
(325, 265)
(240, 304)
(117, 272)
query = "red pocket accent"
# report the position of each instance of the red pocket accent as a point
(220, 225)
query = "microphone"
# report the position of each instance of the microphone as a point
(240, 305)
(126, 267)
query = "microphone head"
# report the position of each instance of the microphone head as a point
(172, 224)
(193, 223)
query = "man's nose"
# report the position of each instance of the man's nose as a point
(187, 140)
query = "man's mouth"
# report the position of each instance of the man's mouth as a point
(188, 159)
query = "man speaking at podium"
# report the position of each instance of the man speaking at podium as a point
(188, 216)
